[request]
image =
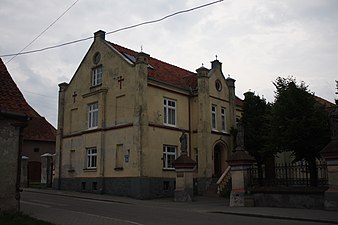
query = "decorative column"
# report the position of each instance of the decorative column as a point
(240, 161)
(24, 171)
(46, 170)
(330, 154)
(184, 167)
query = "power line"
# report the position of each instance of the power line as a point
(114, 31)
(30, 43)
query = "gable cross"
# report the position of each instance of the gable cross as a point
(120, 79)
(74, 96)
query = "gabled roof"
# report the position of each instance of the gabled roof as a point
(167, 73)
(12, 101)
(162, 71)
(39, 129)
(324, 102)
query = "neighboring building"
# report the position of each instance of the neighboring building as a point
(13, 118)
(38, 135)
(121, 117)
(38, 139)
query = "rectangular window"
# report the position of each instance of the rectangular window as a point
(169, 109)
(223, 119)
(91, 158)
(97, 76)
(169, 156)
(93, 114)
(213, 117)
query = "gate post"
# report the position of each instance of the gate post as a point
(239, 161)
(24, 171)
(46, 170)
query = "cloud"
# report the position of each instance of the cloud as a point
(256, 40)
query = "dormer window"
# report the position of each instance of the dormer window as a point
(97, 75)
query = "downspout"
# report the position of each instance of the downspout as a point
(190, 133)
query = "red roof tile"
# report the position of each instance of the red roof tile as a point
(168, 73)
(12, 101)
(165, 72)
(39, 129)
(324, 102)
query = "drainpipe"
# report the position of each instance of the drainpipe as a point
(190, 133)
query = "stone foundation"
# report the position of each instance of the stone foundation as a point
(139, 188)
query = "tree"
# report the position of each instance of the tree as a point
(255, 123)
(298, 123)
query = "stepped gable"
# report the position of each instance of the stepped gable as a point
(11, 98)
(162, 71)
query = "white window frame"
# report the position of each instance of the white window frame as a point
(223, 120)
(93, 115)
(91, 156)
(97, 73)
(169, 155)
(169, 112)
(214, 117)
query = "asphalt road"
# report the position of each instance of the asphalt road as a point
(66, 210)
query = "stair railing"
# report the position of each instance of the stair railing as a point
(223, 180)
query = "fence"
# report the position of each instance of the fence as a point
(291, 174)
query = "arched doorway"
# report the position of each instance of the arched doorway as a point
(220, 156)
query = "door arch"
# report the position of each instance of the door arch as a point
(220, 153)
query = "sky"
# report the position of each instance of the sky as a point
(256, 41)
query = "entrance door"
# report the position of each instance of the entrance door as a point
(217, 162)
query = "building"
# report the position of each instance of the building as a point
(38, 135)
(121, 117)
(38, 139)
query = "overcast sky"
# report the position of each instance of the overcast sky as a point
(256, 40)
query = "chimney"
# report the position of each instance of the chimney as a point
(99, 35)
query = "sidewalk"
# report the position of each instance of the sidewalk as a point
(211, 205)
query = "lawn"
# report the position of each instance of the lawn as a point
(20, 219)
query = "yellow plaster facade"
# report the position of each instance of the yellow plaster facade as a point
(120, 119)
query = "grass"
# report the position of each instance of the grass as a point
(20, 219)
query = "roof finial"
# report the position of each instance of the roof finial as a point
(216, 57)
(141, 48)
(337, 87)
(202, 64)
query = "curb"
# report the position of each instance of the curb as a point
(275, 217)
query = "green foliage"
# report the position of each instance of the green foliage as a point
(20, 219)
(255, 122)
(298, 123)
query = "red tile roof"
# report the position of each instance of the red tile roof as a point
(165, 72)
(324, 102)
(39, 129)
(12, 101)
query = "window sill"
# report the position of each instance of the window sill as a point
(95, 86)
(118, 168)
(92, 128)
(89, 170)
(168, 169)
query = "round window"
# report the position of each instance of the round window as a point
(218, 85)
